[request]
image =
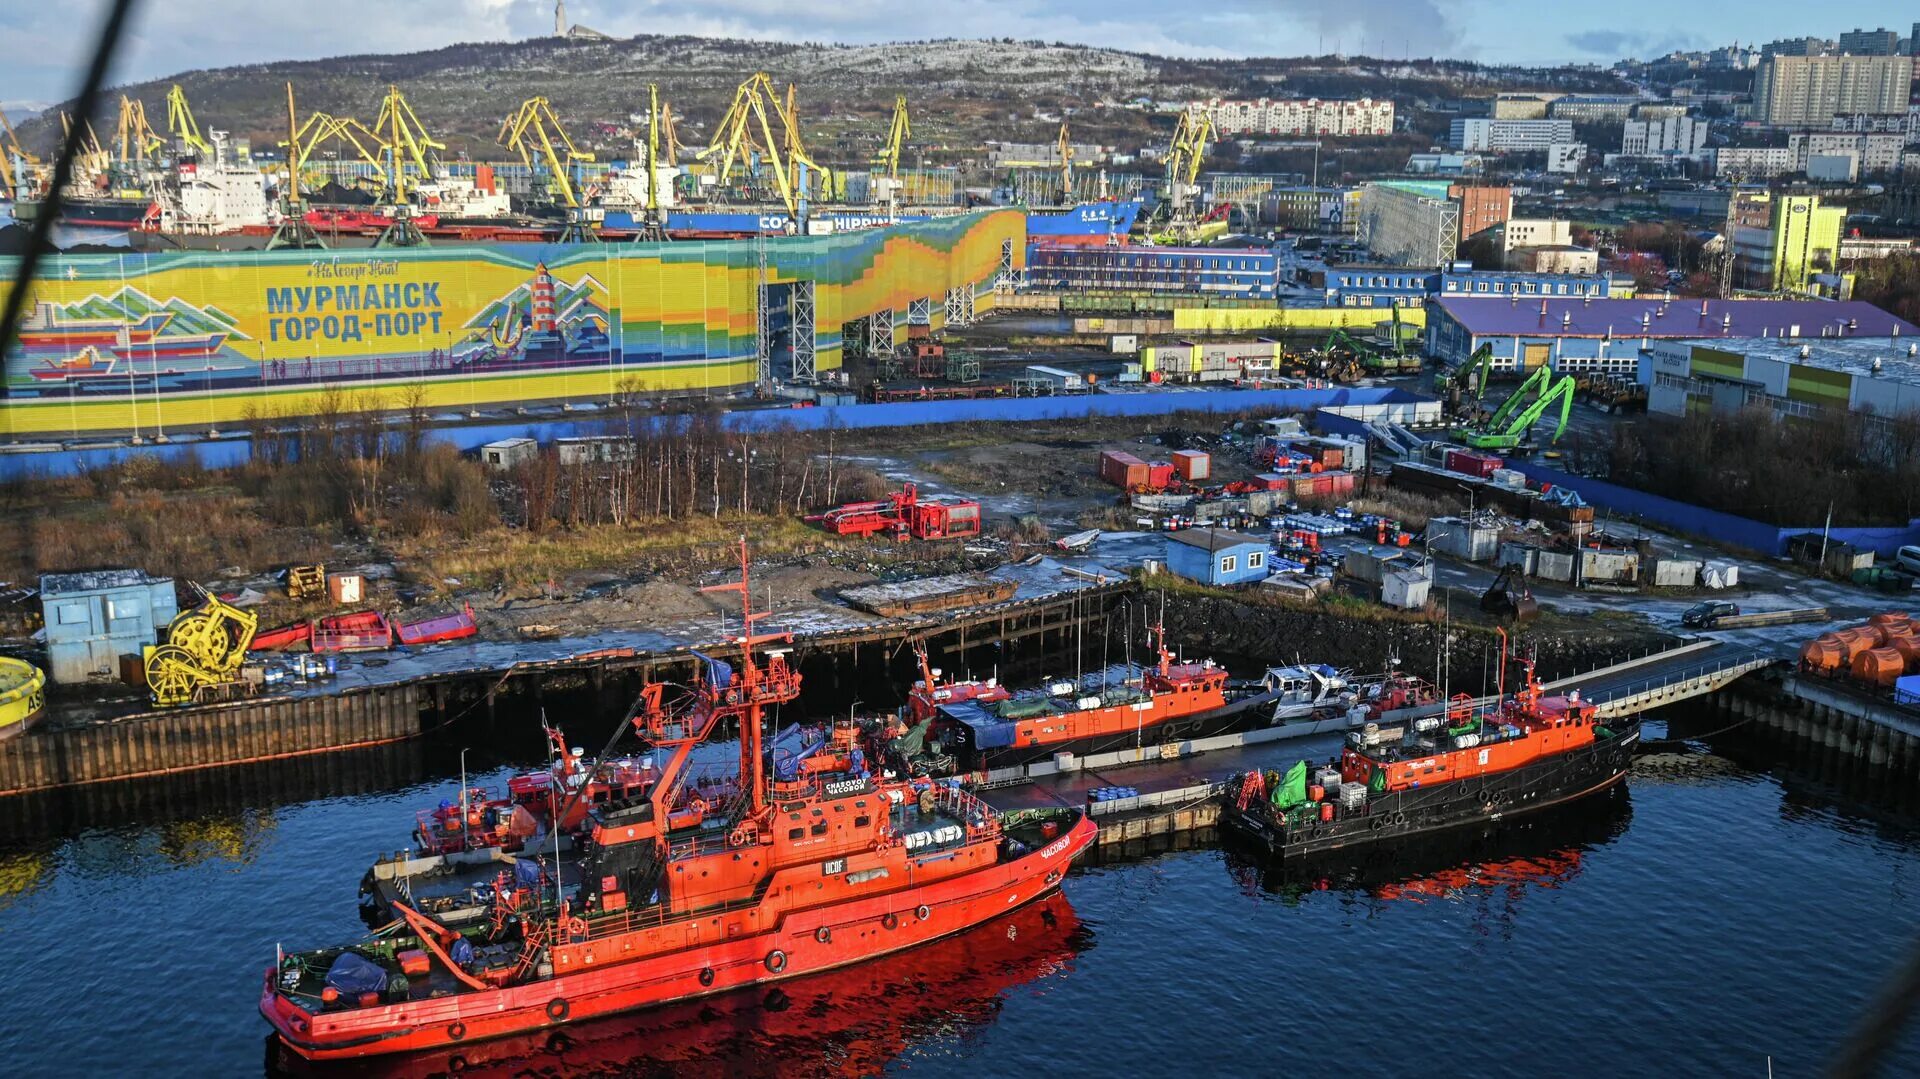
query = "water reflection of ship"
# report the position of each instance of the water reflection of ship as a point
(853, 1021)
(1542, 851)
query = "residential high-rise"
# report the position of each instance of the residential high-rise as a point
(1809, 91)
(1881, 42)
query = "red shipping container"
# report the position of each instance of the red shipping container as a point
(1192, 465)
(1269, 481)
(1123, 469)
(1159, 475)
(1469, 463)
(1342, 482)
(1329, 456)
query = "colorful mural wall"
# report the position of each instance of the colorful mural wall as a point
(191, 340)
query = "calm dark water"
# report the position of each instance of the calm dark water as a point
(1699, 924)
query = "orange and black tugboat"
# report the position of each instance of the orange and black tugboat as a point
(1441, 771)
(676, 897)
(973, 725)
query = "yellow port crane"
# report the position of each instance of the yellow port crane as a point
(89, 160)
(1064, 145)
(403, 139)
(292, 230)
(535, 130)
(134, 138)
(16, 164)
(750, 126)
(1191, 138)
(181, 124)
(888, 159)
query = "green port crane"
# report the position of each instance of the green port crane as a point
(1509, 425)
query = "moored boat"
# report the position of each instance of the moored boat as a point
(1439, 771)
(674, 900)
(972, 725)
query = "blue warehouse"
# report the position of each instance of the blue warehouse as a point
(1232, 271)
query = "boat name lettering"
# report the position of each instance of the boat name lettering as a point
(833, 868)
(1054, 848)
(369, 268)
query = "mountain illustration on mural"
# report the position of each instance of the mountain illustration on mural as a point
(133, 306)
(544, 307)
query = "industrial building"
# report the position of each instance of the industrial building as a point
(1486, 135)
(1521, 232)
(1421, 222)
(1752, 162)
(1780, 242)
(1809, 91)
(1673, 136)
(1309, 116)
(1216, 556)
(1312, 209)
(1555, 259)
(1794, 377)
(1609, 335)
(1410, 222)
(1238, 271)
(1397, 286)
(93, 619)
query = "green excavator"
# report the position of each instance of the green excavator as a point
(1507, 429)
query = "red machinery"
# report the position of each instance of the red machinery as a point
(903, 516)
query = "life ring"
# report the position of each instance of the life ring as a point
(1399, 820)
(576, 927)
(456, 1030)
(823, 935)
(888, 920)
(698, 805)
(558, 1009)
(923, 912)
(1376, 824)
(457, 1063)
(738, 838)
(776, 961)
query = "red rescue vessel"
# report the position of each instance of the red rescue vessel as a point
(674, 901)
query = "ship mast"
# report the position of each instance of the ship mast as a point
(752, 690)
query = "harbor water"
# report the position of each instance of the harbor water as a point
(1723, 914)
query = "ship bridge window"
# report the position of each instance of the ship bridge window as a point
(820, 828)
(793, 816)
(862, 821)
(794, 834)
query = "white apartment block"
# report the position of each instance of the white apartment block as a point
(1309, 116)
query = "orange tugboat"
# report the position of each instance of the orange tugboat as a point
(1439, 771)
(677, 897)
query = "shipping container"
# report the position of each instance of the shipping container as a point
(1468, 463)
(1159, 475)
(1123, 469)
(1269, 481)
(1193, 465)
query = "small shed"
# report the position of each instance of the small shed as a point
(94, 618)
(1216, 556)
(508, 452)
(594, 450)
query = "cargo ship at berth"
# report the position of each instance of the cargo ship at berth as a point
(1104, 221)
(971, 725)
(1437, 772)
(677, 897)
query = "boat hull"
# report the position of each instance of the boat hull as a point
(806, 942)
(1245, 713)
(1401, 814)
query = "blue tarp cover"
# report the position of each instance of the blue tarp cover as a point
(719, 672)
(353, 974)
(526, 873)
(461, 953)
(1906, 690)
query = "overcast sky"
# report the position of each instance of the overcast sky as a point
(43, 42)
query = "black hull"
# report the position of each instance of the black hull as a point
(1459, 804)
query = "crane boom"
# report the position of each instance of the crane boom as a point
(181, 124)
(902, 126)
(536, 123)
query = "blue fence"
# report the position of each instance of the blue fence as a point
(1720, 527)
(228, 452)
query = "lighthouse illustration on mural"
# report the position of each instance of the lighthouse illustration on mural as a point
(545, 320)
